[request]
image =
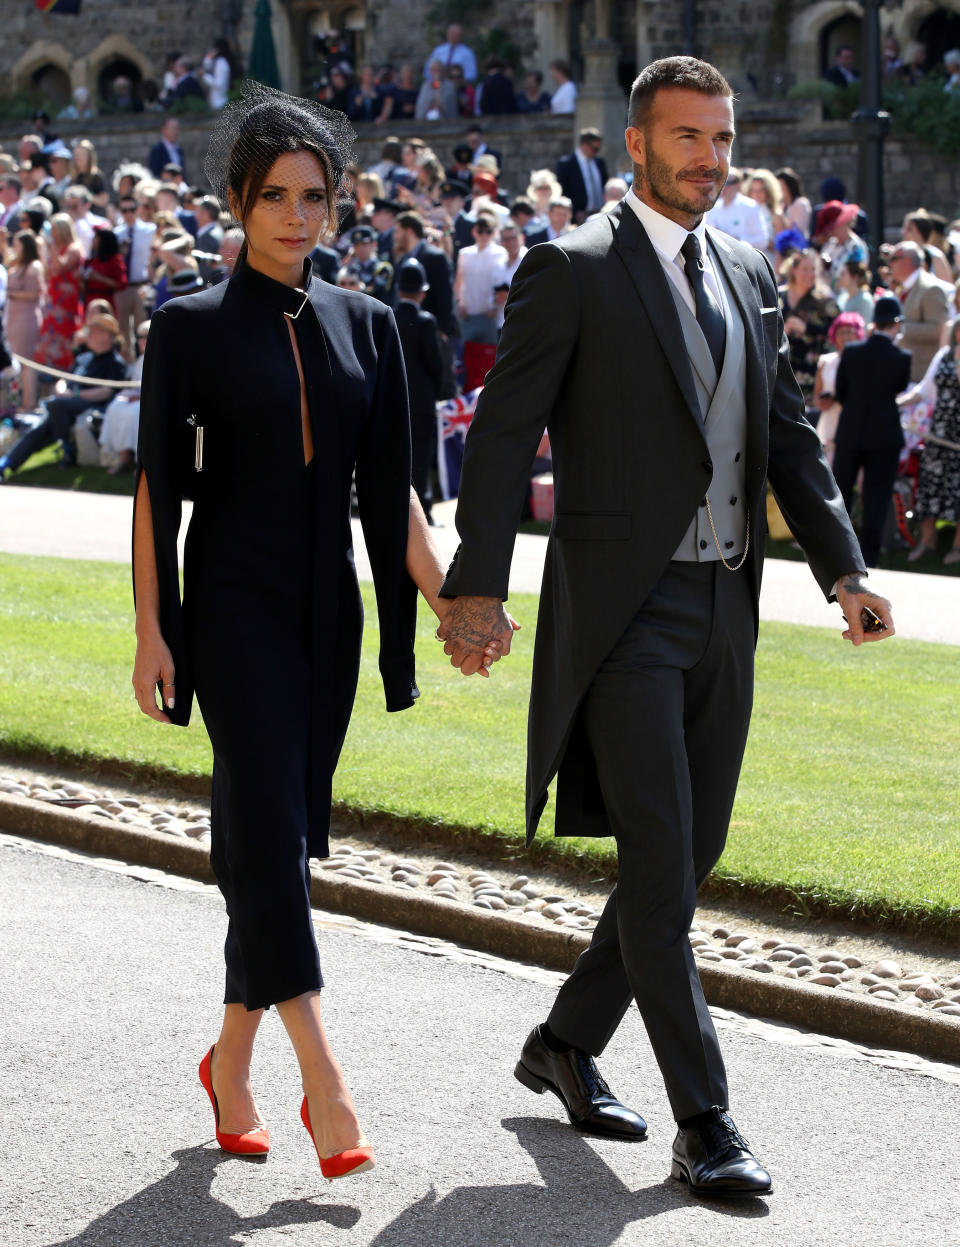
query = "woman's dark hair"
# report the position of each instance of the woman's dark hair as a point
(104, 245)
(683, 73)
(792, 182)
(28, 246)
(36, 219)
(858, 270)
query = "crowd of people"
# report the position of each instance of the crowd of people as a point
(83, 248)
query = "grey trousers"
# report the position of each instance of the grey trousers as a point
(667, 717)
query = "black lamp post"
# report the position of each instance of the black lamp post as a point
(871, 126)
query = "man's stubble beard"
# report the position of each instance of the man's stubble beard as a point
(661, 182)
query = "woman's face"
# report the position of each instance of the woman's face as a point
(406, 77)
(804, 274)
(18, 251)
(845, 335)
(785, 192)
(409, 156)
(81, 158)
(758, 192)
(543, 193)
(288, 215)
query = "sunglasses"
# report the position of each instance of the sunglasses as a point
(128, 211)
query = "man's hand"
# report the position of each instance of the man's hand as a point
(476, 633)
(853, 595)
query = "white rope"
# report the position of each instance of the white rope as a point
(89, 382)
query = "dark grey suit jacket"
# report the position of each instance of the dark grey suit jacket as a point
(592, 348)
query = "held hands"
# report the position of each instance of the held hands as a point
(153, 666)
(868, 616)
(476, 632)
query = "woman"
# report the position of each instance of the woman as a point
(23, 315)
(261, 396)
(121, 419)
(938, 485)
(853, 290)
(437, 99)
(64, 270)
(365, 101)
(86, 173)
(543, 187)
(807, 315)
(106, 271)
(217, 72)
(796, 206)
(848, 327)
(764, 189)
(403, 97)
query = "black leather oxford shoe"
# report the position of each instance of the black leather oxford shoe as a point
(713, 1158)
(574, 1079)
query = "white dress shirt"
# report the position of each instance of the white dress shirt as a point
(503, 276)
(741, 219)
(475, 269)
(564, 99)
(140, 244)
(667, 238)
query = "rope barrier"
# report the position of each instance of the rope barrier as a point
(90, 382)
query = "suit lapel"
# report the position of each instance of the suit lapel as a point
(643, 264)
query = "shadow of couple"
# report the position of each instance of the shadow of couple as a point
(578, 1200)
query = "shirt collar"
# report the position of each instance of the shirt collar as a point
(911, 281)
(666, 235)
(271, 293)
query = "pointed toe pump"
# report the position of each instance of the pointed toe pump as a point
(343, 1164)
(254, 1142)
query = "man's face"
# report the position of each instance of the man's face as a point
(845, 58)
(682, 155)
(167, 201)
(381, 220)
(454, 33)
(58, 168)
(128, 211)
(27, 149)
(75, 206)
(8, 194)
(30, 176)
(171, 130)
(559, 217)
(910, 233)
(453, 204)
(363, 251)
(474, 139)
(147, 209)
(99, 340)
(591, 148)
(510, 239)
(404, 240)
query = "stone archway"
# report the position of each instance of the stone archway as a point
(806, 30)
(37, 57)
(117, 48)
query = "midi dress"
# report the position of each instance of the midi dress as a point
(269, 627)
(938, 484)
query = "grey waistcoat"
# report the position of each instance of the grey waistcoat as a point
(723, 408)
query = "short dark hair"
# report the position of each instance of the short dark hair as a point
(11, 180)
(562, 67)
(211, 205)
(921, 220)
(590, 132)
(412, 220)
(684, 73)
(791, 181)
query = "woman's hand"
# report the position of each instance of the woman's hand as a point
(153, 665)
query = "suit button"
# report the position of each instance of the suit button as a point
(736, 457)
(733, 501)
(708, 465)
(703, 545)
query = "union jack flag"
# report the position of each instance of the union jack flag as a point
(454, 418)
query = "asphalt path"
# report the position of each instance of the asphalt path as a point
(111, 977)
(97, 526)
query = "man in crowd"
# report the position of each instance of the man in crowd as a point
(920, 227)
(187, 83)
(409, 243)
(11, 188)
(559, 214)
(100, 362)
(382, 218)
(373, 274)
(842, 72)
(209, 231)
(135, 238)
(122, 97)
(582, 174)
(738, 215)
(523, 214)
(512, 241)
(422, 357)
(59, 161)
(474, 285)
(925, 305)
(454, 52)
(166, 149)
(37, 181)
(478, 147)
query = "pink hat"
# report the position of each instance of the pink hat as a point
(835, 213)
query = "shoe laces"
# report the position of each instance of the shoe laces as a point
(720, 1134)
(591, 1075)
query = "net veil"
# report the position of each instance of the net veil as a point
(261, 125)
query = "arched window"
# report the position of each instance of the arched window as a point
(117, 67)
(842, 32)
(939, 33)
(52, 83)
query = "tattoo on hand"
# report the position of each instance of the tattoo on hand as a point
(852, 582)
(475, 621)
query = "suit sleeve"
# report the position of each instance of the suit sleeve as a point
(383, 493)
(800, 475)
(840, 386)
(441, 281)
(430, 350)
(539, 334)
(164, 408)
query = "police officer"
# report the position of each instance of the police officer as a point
(420, 341)
(374, 273)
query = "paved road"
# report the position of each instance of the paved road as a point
(97, 526)
(110, 977)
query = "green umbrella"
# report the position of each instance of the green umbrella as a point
(263, 54)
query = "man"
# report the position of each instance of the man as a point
(59, 161)
(512, 241)
(382, 218)
(737, 215)
(326, 263)
(187, 83)
(135, 237)
(37, 182)
(78, 202)
(925, 305)
(869, 436)
(524, 214)
(652, 350)
(99, 362)
(919, 227)
(374, 276)
(209, 232)
(422, 357)
(564, 98)
(11, 188)
(473, 288)
(122, 99)
(453, 199)
(582, 174)
(169, 199)
(409, 243)
(496, 91)
(478, 147)
(842, 73)
(559, 213)
(166, 150)
(453, 52)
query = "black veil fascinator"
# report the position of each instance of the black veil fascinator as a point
(261, 125)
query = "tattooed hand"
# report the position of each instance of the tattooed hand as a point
(854, 596)
(476, 632)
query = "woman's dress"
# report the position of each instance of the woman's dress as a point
(23, 317)
(938, 485)
(270, 627)
(62, 317)
(115, 270)
(818, 314)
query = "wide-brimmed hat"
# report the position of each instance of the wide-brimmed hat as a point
(104, 321)
(835, 213)
(486, 164)
(186, 281)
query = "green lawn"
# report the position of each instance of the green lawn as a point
(45, 469)
(848, 801)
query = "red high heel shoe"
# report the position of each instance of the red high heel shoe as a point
(353, 1160)
(254, 1142)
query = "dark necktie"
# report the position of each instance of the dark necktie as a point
(709, 311)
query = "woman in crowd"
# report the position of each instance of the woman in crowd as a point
(847, 327)
(270, 627)
(938, 485)
(853, 290)
(543, 187)
(403, 96)
(86, 173)
(23, 314)
(368, 188)
(64, 272)
(365, 100)
(796, 206)
(106, 272)
(339, 94)
(808, 311)
(764, 189)
(217, 70)
(121, 419)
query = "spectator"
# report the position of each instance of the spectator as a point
(869, 437)
(105, 272)
(853, 290)
(457, 224)
(64, 266)
(564, 98)
(892, 62)
(614, 190)
(764, 189)
(796, 207)
(938, 485)
(842, 72)
(382, 218)
(363, 262)
(78, 202)
(582, 174)
(169, 77)
(834, 234)
(135, 238)
(808, 312)
(86, 172)
(914, 67)
(169, 199)
(11, 188)
(919, 227)
(409, 242)
(737, 215)
(347, 280)
(146, 195)
(366, 103)
(121, 419)
(466, 92)
(339, 96)
(37, 181)
(514, 244)
(524, 216)
(497, 92)
(326, 263)
(847, 327)
(951, 63)
(23, 314)
(478, 146)
(533, 98)
(150, 95)
(229, 254)
(404, 94)
(187, 85)
(454, 52)
(125, 178)
(423, 360)
(99, 362)
(29, 146)
(167, 149)
(543, 187)
(926, 305)
(59, 162)
(122, 98)
(209, 233)
(559, 217)
(391, 156)
(217, 70)
(460, 170)
(437, 99)
(474, 284)
(80, 109)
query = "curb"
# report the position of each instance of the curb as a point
(806, 1005)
